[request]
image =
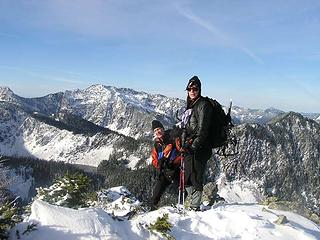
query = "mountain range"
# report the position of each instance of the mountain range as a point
(283, 156)
(279, 150)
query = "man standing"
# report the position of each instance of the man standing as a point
(196, 146)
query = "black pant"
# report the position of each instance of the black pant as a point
(195, 166)
(160, 186)
(163, 180)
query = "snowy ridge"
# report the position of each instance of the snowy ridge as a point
(226, 221)
(124, 110)
(278, 155)
(120, 109)
(25, 136)
(6, 94)
(246, 115)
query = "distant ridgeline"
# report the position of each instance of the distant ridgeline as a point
(278, 150)
(282, 155)
(72, 123)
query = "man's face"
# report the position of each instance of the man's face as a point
(193, 92)
(158, 132)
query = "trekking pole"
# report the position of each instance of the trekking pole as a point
(183, 178)
(181, 185)
(181, 196)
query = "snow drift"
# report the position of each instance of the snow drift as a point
(225, 221)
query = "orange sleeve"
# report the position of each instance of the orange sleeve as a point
(177, 160)
(154, 156)
(167, 150)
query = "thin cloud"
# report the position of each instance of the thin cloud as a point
(187, 13)
(8, 35)
(309, 89)
(312, 56)
(94, 18)
(60, 79)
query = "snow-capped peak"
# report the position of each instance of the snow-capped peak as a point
(96, 88)
(5, 93)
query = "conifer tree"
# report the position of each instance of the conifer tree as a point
(69, 191)
(8, 218)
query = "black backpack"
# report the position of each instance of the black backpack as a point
(220, 127)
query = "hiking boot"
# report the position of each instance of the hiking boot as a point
(193, 197)
(151, 208)
(218, 199)
(194, 208)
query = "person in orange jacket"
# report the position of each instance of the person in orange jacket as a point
(166, 159)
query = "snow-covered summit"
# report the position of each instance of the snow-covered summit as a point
(4, 90)
(121, 109)
(6, 94)
(124, 110)
(224, 221)
(247, 115)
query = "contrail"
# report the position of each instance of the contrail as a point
(187, 13)
(45, 76)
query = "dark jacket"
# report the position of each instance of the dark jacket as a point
(198, 126)
(198, 139)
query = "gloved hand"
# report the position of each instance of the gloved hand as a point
(168, 165)
(161, 162)
(186, 150)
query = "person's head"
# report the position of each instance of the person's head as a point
(194, 88)
(158, 129)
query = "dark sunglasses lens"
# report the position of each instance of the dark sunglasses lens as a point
(194, 89)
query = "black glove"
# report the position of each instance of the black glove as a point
(169, 174)
(161, 162)
(169, 164)
(186, 149)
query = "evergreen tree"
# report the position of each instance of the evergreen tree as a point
(139, 181)
(9, 217)
(69, 191)
(163, 226)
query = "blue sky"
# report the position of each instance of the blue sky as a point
(259, 53)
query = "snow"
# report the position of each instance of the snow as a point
(118, 201)
(239, 191)
(124, 131)
(132, 161)
(224, 221)
(64, 223)
(22, 189)
(30, 138)
(21, 182)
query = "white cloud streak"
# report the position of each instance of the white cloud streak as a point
(227, 40)
(46, 77)
(94, 18)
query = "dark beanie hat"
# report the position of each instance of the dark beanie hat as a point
(194, 81)
(156, 124)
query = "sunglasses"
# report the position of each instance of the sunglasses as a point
(193, 89)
